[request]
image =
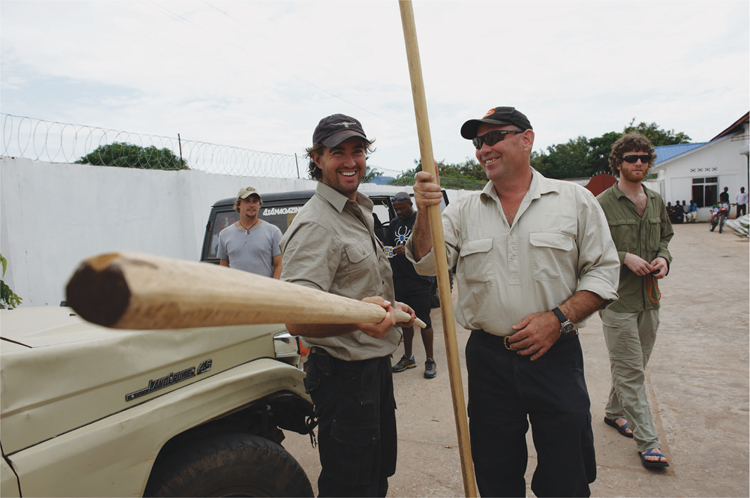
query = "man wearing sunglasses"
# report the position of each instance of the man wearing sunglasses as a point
(534, 259)
(331, 246)
(641, 230)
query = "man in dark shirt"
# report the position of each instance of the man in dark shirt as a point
(679, 212)
(411, 288)
(724, 196)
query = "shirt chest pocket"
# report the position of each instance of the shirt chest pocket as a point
(360, 266)
(553, 255)
(625, 235)
(474, 261)
(653, 234)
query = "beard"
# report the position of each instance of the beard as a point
(633, 176)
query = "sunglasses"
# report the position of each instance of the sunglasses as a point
(633, 158)
(493, 137)
(394, 199)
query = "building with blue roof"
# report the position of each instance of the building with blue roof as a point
(666, 152)
(701, 171)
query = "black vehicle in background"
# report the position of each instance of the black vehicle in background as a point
(280, 208)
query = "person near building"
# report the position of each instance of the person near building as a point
(724, 196)
(641, 231)
(250, 244)
(534, 258)
(741, 202)
(679, 212)
(692, 214)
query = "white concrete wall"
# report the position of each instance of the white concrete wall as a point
(53, 216)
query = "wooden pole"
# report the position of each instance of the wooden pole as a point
(438, 248)
(145, 292)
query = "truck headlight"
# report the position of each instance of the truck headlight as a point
(286, 345)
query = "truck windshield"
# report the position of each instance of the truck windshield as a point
(280, 216)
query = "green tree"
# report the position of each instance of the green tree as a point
(8, 298)
(600, 150)
(657, 135)
(126, 155)
(582, 157)
(568, 160)
(406, 178)
(467, 175)
(371, 174)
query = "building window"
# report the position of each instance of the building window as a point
(705, 191)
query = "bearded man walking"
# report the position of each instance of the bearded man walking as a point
(641, 230)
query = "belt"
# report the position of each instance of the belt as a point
(317, 350)
(504, 340)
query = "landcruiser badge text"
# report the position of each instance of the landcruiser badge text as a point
(168, 380)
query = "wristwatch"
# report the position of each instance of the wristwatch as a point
(566, 326)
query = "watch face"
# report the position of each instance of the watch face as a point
(568, 327)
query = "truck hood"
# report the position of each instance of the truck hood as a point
(59, 372)
(46, 326)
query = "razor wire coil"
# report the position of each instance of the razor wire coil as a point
(56, 142)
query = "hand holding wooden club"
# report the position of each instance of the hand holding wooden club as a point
(144, 292)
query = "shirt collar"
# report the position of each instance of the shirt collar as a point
(619, 193)
(539, 185)
(339, 200)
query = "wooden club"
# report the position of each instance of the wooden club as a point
(145, 292)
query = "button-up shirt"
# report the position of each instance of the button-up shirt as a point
(331, 246)
(558, 244)
(647, 236)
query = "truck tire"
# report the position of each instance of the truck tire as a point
(229, 464)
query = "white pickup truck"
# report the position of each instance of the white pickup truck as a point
(90, 411)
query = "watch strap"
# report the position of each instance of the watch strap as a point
(560, 315)
(566, 326)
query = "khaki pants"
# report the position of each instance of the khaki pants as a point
(630, 339)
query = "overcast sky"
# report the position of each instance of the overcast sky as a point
(260, 75)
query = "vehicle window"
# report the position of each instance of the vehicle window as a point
(280, 216)
(380, 211)
(222, 219)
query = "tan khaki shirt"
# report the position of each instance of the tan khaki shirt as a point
(559, 244)
(331, 246)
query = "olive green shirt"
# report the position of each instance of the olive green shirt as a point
(646, 236)
(331, 246)
(558, 245)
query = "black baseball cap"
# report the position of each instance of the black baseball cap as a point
(336, 128)
(498, 115)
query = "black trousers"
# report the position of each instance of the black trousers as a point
(417, 294)
(741, 210)
(506, 391)
(355, 408)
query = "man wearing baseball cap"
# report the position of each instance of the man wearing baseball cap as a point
(251, 244)
(331, 246)
(534, 258)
